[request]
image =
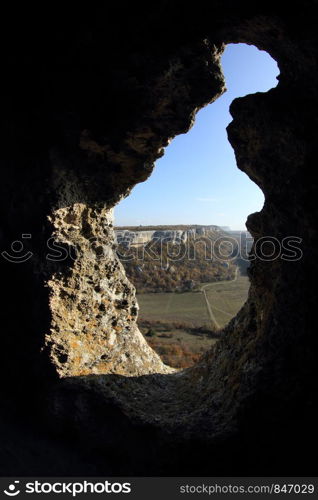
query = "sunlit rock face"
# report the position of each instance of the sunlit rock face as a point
(128, 238)
(133, 238)
(94, 309)
(91, 101)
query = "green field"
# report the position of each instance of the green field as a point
(187, 306)
(225, 298)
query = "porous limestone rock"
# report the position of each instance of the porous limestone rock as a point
(94, 309)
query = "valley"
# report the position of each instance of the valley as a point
(186, 295)
(178, 325)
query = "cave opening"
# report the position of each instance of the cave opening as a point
(84, 392)
(182, 237)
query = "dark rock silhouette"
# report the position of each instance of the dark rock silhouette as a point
(90, 99)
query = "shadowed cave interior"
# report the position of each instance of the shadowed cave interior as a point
(87, 112)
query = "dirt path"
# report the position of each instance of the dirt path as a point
(208, 305)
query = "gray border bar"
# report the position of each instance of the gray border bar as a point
(159, 488)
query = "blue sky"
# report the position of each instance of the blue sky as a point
(197, 180)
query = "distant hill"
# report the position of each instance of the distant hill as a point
(141, 235)
(245, 242)
(174, 258)
(167, 227)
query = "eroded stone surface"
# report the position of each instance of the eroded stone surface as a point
(94, 309)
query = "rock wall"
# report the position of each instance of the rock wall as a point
(134, 238)
(140, 237)
(91, 100)
(93, 307)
